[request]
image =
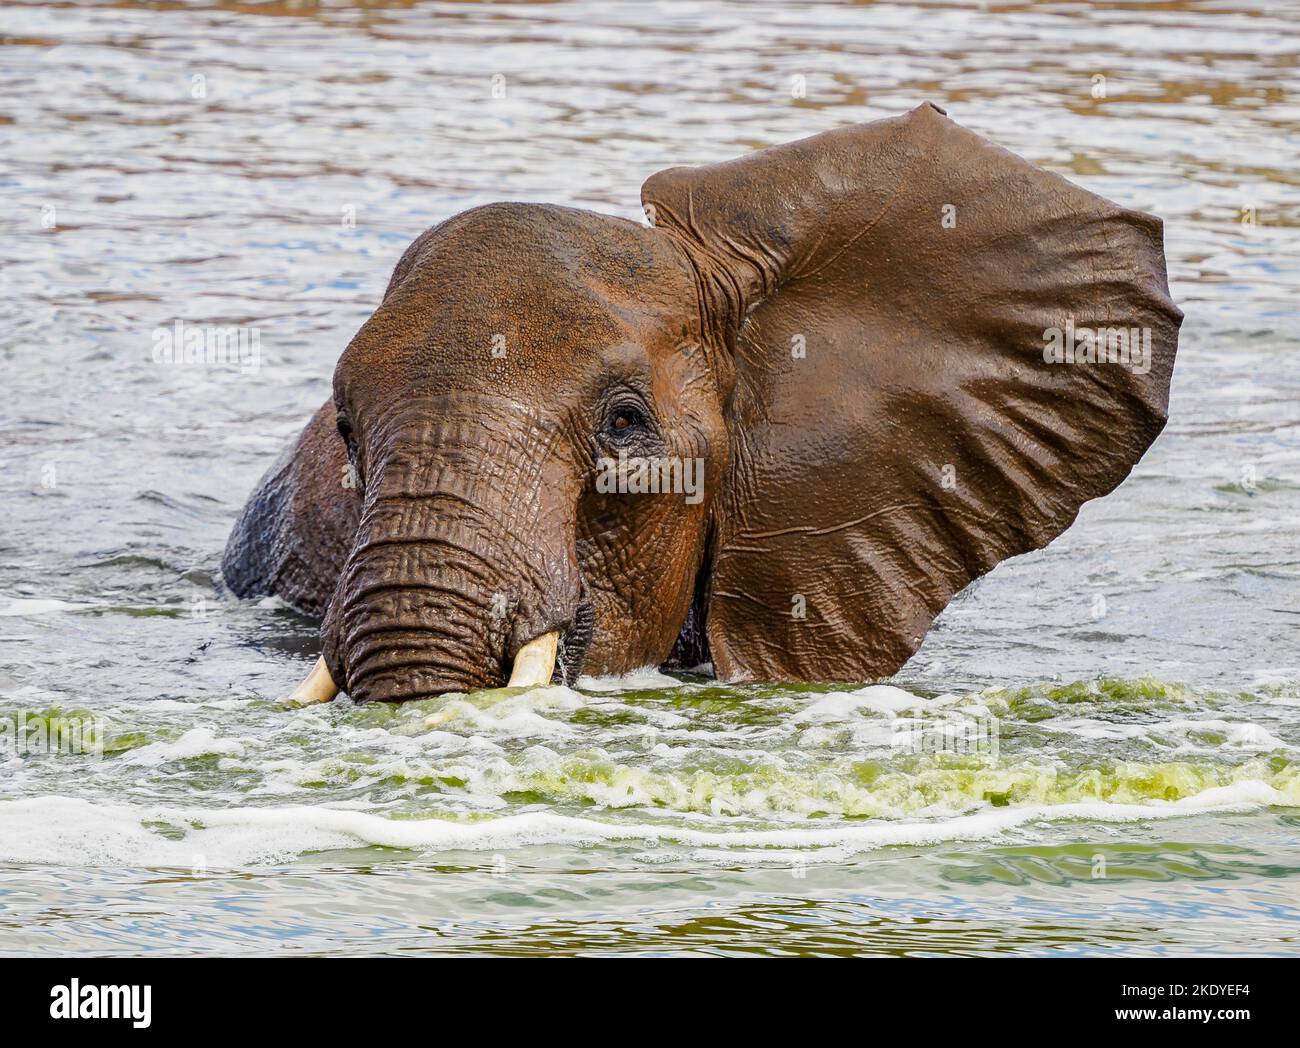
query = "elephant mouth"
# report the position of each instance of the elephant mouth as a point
(574, 642)
(554, 656)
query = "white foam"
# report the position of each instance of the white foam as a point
(15, 606)
(516, 716)
(647, 678)
(1237, 735)
(1242, 735)
(197, 742)
(72, 832)
(836, 707)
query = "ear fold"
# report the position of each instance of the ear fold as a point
(297, 526)
(907, 411)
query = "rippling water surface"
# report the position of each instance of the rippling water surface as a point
(1122, 711)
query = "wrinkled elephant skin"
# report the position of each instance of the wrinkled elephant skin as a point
(831, 384)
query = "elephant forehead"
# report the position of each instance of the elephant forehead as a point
(549, 257)
(501, 290)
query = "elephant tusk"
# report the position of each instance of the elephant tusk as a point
(535, 662)
(318, 687)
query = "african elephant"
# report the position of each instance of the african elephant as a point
(891, 354)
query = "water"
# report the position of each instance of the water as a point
(1125, 775)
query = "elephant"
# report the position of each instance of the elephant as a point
(890, 353)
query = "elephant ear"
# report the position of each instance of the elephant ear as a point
(898, 292)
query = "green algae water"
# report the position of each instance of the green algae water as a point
(662, 814)
(1097, 749)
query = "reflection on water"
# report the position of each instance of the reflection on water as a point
(1178, 897)
(263, 165)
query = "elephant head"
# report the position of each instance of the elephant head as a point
(827, 387)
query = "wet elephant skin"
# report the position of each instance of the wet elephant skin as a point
(851, 342)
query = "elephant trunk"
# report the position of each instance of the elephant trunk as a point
(463, 575)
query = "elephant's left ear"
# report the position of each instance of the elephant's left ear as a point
(941, 352)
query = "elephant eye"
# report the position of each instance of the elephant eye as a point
(345, 431)
(624, 419)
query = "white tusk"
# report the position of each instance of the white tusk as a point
(318, 687)
(535, 662)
